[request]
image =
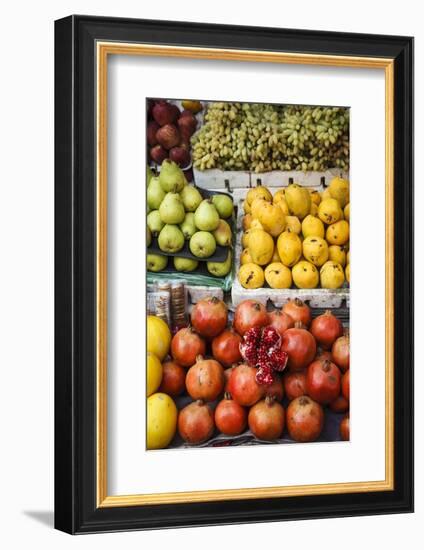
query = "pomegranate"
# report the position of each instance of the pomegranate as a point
(266, 419)
(173, 378)
(152, 128)
(280, 320)
(340, 352)
(323, 381)
(205, 379)
(230, 417)
(243, 386)
(226, 347)
(209, 317)
(168, 136)
(275, 389)
(345, 428)
(164, 112)
(346, 385)
(158, 154)
(300, 346)
(249, 314)
(339, 405)
(195, 423)
(186, 345)
(326, 328)
(294, 384)
(305, 419)
(298, 311)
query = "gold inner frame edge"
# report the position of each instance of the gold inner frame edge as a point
(103, 49)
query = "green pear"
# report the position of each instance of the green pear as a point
(154, 222)
(148, 236)
(224, 205)
(171, 209)
(222, 234)
(171, 239)
(171, 177)
(149, 175)
(206, 216)
(185, 264)
(220, 269)
(188, 226)
(155, 194)
(156, 262)
(202, 244)
(191, 198)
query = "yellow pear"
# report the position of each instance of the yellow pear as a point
(256, 192)
(279, 195)
(261, 246)
(346, 212)
(329, 211)
(251, 276)
(278, 275)
(246, 207)
(331, 275)
(315, 250)
(339, 190)
(337, 254)
(246, 221)
(256, 224)
(338, 232)
(305, 275)
(257, 205)
(293, 225)
(289, 248)
(245, 257)
(347, 273)
(272, 218)
(298, 200)
(315, 196)
(275, 257)
(312, 227)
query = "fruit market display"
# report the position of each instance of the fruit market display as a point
(296, 238)
(185, 227)
(248, 246)
(265, 375)
(262, 137)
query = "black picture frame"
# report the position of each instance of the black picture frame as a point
(75, 275)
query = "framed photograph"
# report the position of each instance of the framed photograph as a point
(234, 242)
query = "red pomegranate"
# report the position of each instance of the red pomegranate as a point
(205, 379)
(340, 352)
(209, 317)
(249, 314)
(275, 389)
(195, 423)
(323, 381)
(186, 345)
(346, 385)
(294, 384)
(266, 419)
(326, 328)
(298, 311)
(305, 419)
(243, 386)
(230, 417)
(300, 346)
(339, 405)
(345, 428)
(280, 320)
(173, 378)
(226, 347)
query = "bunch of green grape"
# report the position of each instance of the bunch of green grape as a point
(263, 137)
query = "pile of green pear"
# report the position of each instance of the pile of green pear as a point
(177, 213)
